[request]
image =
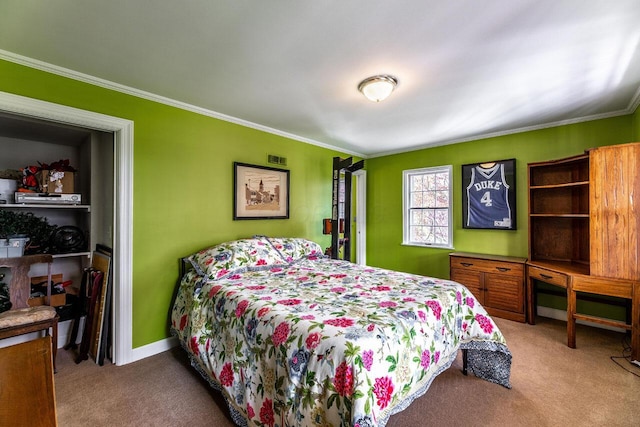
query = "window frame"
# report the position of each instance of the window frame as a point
(406, 208)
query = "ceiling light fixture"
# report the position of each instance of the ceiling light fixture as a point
(378, 88)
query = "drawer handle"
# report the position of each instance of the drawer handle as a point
(546, 276)
(503, 269)
(466, 264)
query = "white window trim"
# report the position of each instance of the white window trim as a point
(406, 175)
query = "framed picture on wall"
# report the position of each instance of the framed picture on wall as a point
(489, 195)
(260, 192)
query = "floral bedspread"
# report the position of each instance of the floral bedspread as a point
(330, 343)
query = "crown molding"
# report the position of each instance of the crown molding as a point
(96, 81)
(635, 102)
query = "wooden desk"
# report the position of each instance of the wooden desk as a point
(573, 278)
(27, 392)
(555, 273)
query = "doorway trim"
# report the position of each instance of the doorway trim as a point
(123, 202)
(361, 216)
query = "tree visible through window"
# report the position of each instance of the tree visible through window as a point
(428, 207)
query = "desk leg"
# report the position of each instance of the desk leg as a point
(531, 303)
(635, 322)
(571, 310)
(54, 343)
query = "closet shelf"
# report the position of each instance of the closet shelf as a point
(73, 254)
(44, 206)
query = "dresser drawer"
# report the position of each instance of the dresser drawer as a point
(488, 266)
(548, 276)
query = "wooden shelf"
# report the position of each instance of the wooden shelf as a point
(564, 185)
(559, 215)
(569, 172)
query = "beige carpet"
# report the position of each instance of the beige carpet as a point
(553, 385)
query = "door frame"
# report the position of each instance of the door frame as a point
(361, 216)
(122, 130)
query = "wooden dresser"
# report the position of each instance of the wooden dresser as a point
(583, 231)
(496, 281)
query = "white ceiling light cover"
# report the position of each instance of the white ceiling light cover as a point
(378, 88)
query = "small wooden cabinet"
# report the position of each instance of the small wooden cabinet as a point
(496, 281)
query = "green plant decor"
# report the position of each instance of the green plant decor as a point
(26, 224)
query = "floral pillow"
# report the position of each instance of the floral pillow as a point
(217, 262)
(294, 248)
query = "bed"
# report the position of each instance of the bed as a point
(293, 338)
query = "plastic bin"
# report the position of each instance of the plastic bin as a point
(13, 247)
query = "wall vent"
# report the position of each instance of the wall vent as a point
(277, 160)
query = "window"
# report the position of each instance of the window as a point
(427, 217)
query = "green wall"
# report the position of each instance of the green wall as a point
(183, 177)
(384, 192)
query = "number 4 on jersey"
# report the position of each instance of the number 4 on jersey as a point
(486, 199)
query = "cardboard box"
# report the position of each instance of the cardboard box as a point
(56, 299)
(55, 181)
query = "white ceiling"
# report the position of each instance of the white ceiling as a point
(467, 69)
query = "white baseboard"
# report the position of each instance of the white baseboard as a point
(64, 331)
(562, 315)
(153, 348)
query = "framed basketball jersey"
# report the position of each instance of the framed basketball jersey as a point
(489, 195)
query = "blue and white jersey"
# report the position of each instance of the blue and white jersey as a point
(488, 198)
